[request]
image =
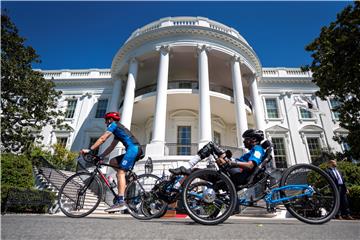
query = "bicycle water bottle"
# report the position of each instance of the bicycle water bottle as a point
(111, 181)
(177, 182)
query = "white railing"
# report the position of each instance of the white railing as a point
(68, 74)
(80, 74)
(286, 72)
(186, 21)
(52, 74)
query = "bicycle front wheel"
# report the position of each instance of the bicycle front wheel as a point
(316, 208)
(142, 203)
(80, 195)
(209, 197)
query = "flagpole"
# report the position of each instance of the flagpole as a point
(322, 124)
(290, 133)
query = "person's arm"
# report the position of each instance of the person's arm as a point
(109, 149)
(247, 165)
(101, 140)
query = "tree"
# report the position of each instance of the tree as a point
(336, 69)
(28, 101)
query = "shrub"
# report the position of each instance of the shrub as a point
(354, 199)
(26, 200)
(61, 158)
(351, 172)
(16, 170)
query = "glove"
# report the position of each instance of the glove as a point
(87, 151)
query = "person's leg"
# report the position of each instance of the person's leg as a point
(121, 182)
(203, 153)
(342, 193)
(345, 210)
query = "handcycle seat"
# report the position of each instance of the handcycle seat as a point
(256, 175)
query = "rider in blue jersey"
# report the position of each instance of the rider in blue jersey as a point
(125, 161)
(241, 168)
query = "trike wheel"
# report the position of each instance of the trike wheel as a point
(209, 197)
(140, 200)
(317, 208)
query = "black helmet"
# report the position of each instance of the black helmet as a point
(254, 133)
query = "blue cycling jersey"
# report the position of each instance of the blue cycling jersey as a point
(256, 155)
(122, 134)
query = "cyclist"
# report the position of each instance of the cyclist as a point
(241, 168)
(125, 161)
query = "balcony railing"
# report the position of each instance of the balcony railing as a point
(189, 85)
(181, 149)
(187, 21)
(173, 149)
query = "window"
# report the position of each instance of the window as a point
(305, 114)
(184, 140)
(314, 147)
(279, 152)
(92, 141)
(334, 104)
(101, 108)
(61, 141)
(272, 108)
(70, 110)
(217, 138)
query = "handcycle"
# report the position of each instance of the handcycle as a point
(82, 193)
(307, 192)
(168, 190)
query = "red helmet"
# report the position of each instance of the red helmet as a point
(113, 115)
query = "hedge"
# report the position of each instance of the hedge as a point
(354, 200)
(26, 200)
(16, 170)
(17, 176)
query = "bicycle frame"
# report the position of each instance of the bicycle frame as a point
(97, 171)
(308, 191)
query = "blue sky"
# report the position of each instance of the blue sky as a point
(80, 35)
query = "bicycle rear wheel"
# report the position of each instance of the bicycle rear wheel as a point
(321, 206)
(209, 197)
(142, 203)
(80, 195)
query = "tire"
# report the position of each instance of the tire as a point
(220, 200)
(141, 202)
(73, 203)
(318, 208)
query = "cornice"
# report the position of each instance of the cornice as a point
(194, 31)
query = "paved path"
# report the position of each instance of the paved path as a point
(125, 227)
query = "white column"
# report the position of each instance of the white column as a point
(204, 95)
(161, 98)
(115, 96)
(256, 101)
(241, 120)
(128, 106)
(157, 145)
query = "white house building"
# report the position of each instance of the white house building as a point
(180, 82)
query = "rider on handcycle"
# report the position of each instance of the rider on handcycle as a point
(125, 161)
(240, 168)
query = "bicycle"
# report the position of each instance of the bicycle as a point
(307, 192)
(83, 186)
